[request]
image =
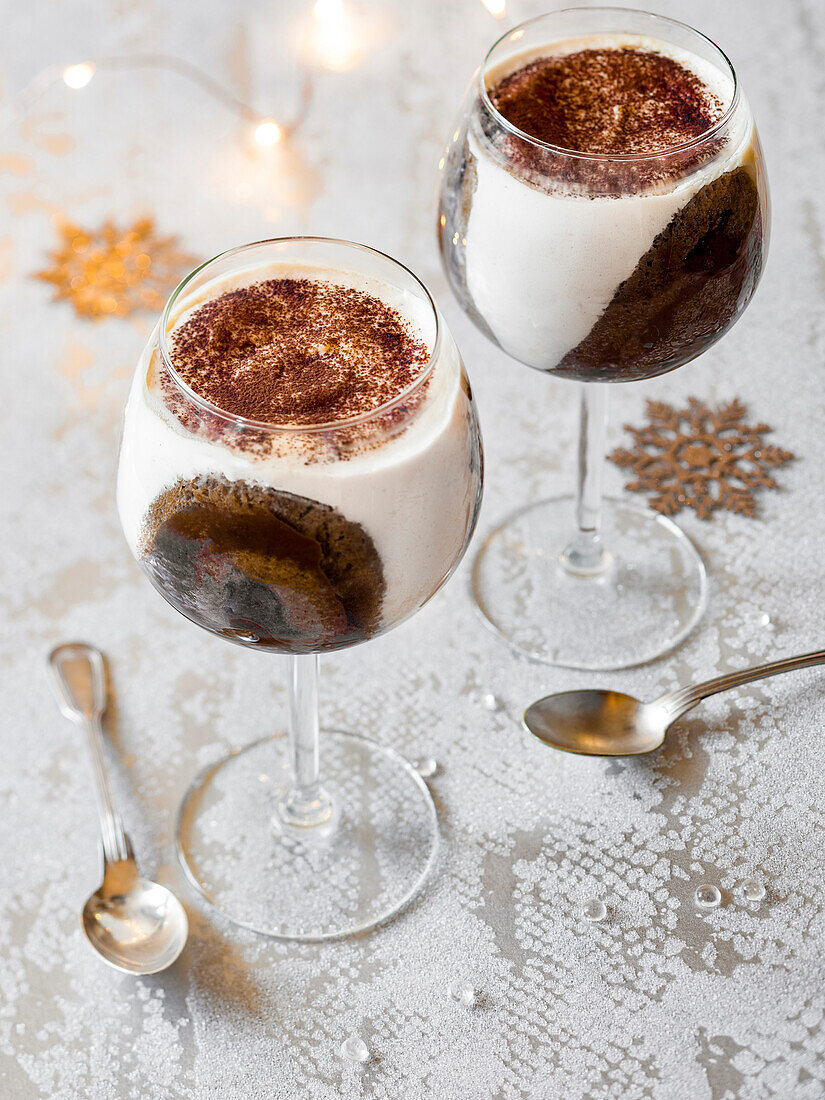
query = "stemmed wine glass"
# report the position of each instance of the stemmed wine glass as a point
(300, 539)
(599, 268)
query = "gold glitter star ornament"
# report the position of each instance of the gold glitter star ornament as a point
(114, 271)
(700, 458)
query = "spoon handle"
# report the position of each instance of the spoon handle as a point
(682, 700)
(79, 680)
(115, 843)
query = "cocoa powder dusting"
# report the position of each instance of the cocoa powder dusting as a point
(297, 352)
(608, 101)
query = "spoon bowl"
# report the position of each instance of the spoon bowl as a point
(136, 925)
(596, 723)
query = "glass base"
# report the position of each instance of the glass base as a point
(321, 883)
(650, 595)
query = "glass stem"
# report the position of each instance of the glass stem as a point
(306, 804)
(584, 554)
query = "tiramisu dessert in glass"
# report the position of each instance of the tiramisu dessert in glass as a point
(603, 217)
(301, 471)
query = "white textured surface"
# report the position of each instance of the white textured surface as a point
(657, 1001)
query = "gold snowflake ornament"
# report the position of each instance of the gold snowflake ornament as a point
(700, 458)
(112, 271)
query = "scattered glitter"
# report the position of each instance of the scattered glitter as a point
(112, 270)
(752, 889)
(707, 896)
(355, 1050)
(594, 910)
(462, 992)
(426, 767)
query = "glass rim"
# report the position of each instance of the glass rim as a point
(685, 146)
(307, 429)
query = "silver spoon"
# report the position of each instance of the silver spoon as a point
(609, 723)
(136, 925)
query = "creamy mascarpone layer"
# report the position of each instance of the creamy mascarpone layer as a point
(413, 494)
(542, 265)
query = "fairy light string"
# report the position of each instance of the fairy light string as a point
(335, 46)
(266, 130)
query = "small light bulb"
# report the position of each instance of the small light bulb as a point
(268, 132)
(327, 9)
(495, 7)
(338, 41)
(78, 76)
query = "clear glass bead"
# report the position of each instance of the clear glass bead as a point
(462, 992)
(752, 889)
(491, 702)
(594, 909)
(426, 767)
(707, 896)
(355, 1050)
